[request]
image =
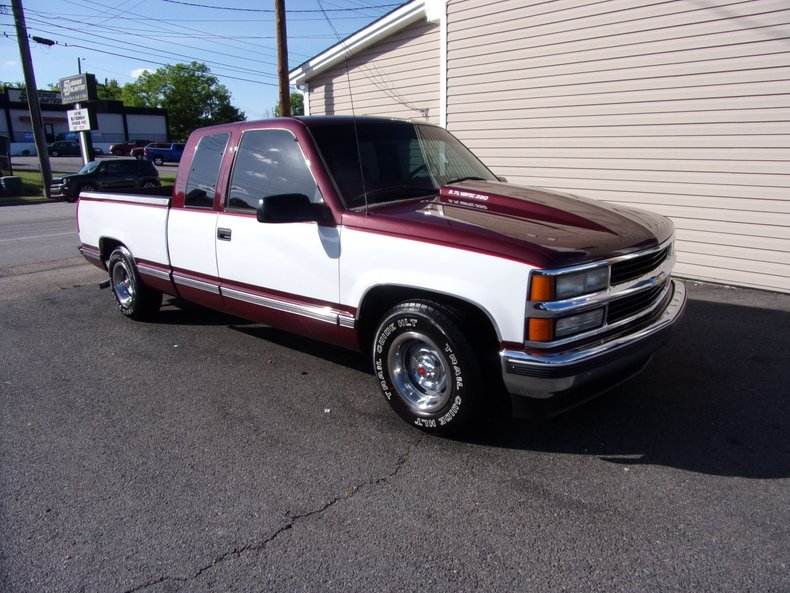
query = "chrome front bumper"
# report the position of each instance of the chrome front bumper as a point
(596, 367)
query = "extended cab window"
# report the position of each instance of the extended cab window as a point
(268, 163)
(201, 186)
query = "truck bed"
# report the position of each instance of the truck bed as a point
(138, 221)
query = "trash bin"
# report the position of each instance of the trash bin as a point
(11, 186)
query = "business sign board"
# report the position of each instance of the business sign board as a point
(44, 97)
(79, 120)
(78, 89)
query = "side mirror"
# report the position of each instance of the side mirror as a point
(291, 208)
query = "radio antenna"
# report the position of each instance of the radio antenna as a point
(351, 99)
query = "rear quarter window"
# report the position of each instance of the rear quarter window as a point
(201, 186)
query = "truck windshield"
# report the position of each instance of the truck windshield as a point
(393, 161)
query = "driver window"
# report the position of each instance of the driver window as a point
(269, 162)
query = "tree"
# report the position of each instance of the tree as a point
(192, 96)
(297, 105)
(109, 89)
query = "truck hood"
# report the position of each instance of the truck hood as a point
(544, 228)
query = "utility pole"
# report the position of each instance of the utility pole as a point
(282, 58)
(32, 95)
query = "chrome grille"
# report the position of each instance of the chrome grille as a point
(633, 268)
(633, 304)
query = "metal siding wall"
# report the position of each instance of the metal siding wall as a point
(676, 107)
(398, 77)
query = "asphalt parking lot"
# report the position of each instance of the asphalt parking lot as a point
(203, 453)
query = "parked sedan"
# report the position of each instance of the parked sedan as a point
(105, 176)
(138, 152)
(125, 148)
(64, 148)
(68, 148)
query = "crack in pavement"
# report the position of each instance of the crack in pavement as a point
(292, 521)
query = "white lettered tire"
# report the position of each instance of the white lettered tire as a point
(426, 367)
(134, 299)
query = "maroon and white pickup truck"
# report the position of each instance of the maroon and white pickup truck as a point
(392, 238)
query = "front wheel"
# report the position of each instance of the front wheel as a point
(426, 367)
(134, 299)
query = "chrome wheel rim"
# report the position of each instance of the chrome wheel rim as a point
(419, 372)
(122, 285)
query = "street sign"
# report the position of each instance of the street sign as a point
(79, 120)
(78, 89)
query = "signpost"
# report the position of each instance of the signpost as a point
(79, 89)
(79, 120)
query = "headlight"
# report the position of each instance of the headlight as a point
(545, 287)
(546, 329)
(576, 324)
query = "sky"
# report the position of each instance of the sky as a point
(119, 39)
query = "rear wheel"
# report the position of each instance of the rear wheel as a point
(158, 160)
(134, 299)
(427, 368)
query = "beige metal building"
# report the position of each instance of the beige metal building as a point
(681, 107)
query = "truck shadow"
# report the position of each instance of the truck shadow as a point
(716, 400)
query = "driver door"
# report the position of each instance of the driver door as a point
(285, 274)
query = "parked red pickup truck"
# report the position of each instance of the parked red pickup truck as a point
(392, 238)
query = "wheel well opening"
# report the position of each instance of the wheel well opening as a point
(476, 324)
(106, 247)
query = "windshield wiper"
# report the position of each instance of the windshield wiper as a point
(470, 178)
(374, 196)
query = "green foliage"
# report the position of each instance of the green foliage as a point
(109, 89)
(297, 105)
(192, 96)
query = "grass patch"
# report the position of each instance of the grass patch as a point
(31, 182)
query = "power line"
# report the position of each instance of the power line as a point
(150, 61)
(271, 11)
(176, 55)
(182, 27)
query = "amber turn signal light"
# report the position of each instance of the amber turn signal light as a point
(541, 330)
(542, 288)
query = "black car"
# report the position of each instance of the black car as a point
(68, 148)
(64, 148)
(105, 176)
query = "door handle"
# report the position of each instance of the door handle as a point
(223, 234)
